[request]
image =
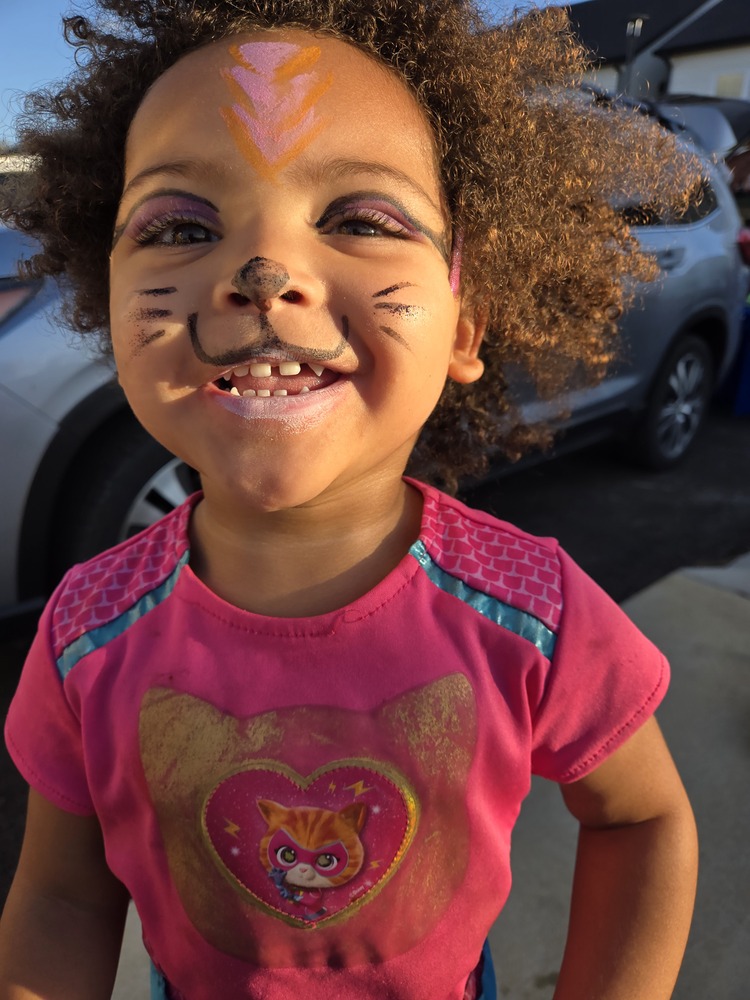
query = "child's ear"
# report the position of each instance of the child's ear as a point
(465, 365)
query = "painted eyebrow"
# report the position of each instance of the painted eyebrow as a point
(158, 193)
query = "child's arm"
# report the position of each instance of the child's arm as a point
(62, 926)
(635, 875)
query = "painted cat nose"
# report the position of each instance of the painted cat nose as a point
(261, 280)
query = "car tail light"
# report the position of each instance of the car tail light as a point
(12, 297)
(743, 242)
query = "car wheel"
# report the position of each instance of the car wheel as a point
(126, 482)
(677, 406)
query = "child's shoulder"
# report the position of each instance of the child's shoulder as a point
(492, 557)
(141, 569)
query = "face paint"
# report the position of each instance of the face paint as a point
(396, 309)
(267, 345)
(454, 276)
(144, 339)
(395, 336)
(260, 280)
(143, 315)
(156, 291)
(391, 289)
(273, 118)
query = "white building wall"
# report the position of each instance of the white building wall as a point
(605, 78)
(719, 73)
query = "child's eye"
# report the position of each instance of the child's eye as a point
(171, 219)
(360, 220)
(174, 233)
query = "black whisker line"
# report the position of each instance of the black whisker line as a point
(393, 288)
(396, 336)
(157, 291)
(399, 308)
(144, 339)
(142, 314)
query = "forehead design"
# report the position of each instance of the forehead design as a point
(275, 89)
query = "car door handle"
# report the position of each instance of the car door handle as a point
(669, 259)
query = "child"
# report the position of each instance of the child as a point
(295, 719)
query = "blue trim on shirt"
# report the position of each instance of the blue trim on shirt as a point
(488, 984)
(158, 985)
(100, 636)
(521, 623)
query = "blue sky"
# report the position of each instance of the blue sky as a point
(33, 53)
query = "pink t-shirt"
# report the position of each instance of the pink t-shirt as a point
(322, 807)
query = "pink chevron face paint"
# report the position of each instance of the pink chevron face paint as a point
(275, 90)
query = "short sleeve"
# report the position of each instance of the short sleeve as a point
(605, 680)
(42, 730)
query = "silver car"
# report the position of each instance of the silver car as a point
(81, 474)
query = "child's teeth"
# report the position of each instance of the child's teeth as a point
(318, 369)
(260, 371)
(279, 392)
(241, 371)
(234, 391)
(305, 388)
(248, 392)
(289, 368)
(264, 392)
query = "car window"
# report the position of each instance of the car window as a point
(700, 207)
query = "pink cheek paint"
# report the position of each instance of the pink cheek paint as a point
(454, 274)
(275, 91)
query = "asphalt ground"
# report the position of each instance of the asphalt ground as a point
(628, 527)
(625, 527)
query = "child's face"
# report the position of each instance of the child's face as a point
(282, 207)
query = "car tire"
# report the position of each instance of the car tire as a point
(677, 405)
(124, 482)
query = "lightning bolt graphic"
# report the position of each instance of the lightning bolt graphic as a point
(358, 788)
(231, 828)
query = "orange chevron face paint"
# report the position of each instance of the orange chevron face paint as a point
(275, 89)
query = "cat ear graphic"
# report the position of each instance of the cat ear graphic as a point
(261, 280)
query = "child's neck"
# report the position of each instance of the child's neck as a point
(308, 560)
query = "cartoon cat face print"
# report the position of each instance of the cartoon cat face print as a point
(313, 848)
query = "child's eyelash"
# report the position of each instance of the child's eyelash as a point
(384, 222)
(149, 231)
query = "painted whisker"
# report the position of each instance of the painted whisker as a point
(392, 288)
(144, 339)
(399, 308)
(144, 314)
(396, 336)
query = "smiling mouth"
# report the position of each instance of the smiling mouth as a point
(276, 378)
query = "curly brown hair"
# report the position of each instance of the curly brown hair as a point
(532, 173)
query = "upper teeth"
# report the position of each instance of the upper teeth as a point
(264, 370)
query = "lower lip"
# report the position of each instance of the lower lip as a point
(297, 413)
